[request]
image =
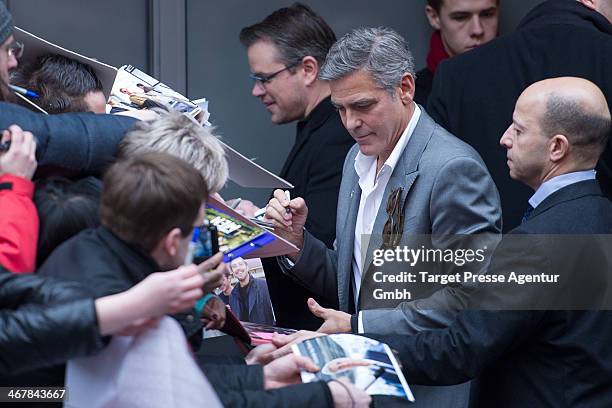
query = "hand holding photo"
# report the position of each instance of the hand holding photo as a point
(366, 363)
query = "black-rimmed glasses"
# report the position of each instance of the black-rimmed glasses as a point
(392, 231)
(263, 79)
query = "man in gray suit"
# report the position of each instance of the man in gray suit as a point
(441, 183)
(438, 185)
(405, 176)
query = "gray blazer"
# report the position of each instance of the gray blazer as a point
(446, 190)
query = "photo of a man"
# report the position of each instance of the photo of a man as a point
(250, 299)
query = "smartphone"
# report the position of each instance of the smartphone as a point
(205, 242)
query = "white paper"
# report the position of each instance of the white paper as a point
(247, 173)
(153, 370)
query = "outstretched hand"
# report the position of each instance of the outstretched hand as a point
(335, 320)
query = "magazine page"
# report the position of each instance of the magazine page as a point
(367, 363)
(236, 238)
(267, 247)
(133, 90)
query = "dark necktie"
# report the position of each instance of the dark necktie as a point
(527, 213)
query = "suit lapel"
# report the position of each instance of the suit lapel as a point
(345, 269)
(351, 219)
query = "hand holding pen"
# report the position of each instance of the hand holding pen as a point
(288, 216)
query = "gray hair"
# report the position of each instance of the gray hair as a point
(380, 51)
(175, 134)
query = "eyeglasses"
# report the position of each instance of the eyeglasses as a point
(15, 49)
(263, 79)
(392, 231)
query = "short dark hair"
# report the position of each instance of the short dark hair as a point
(61, 82)
(296, 31)
(437, 4)
(147, 195)
(586, 131)
(65, 208)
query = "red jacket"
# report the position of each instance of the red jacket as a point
(18, 224)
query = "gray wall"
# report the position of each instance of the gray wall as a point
(193, 45)
(114, 31)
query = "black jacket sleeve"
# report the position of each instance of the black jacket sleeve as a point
(242, 386)
(34, 333)
(234, 376)
(85, 142)
(17, 290)
(460, 352)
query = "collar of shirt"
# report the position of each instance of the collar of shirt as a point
(365, 166)
(557, 183)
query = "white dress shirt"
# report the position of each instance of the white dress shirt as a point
(372, 191)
